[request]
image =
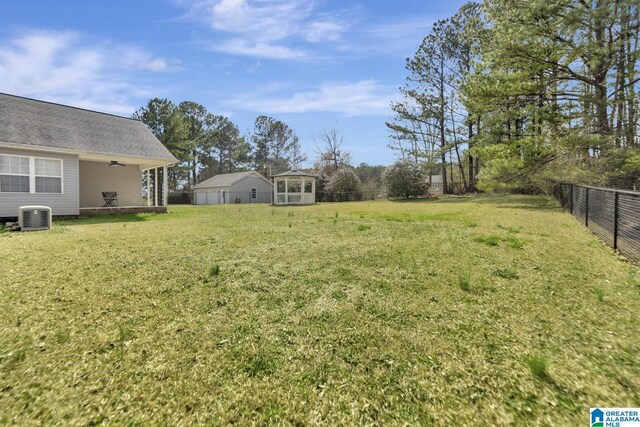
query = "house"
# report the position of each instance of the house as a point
(66, 158)
(238, 187)
(294, 187)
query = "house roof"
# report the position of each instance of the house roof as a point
(295, 172)
(227, 179)
(33, 123)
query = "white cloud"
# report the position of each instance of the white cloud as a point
(134, 58)
(62, 67)
(270, 19)
(396, 37)
(321, 31)
(266, 28)
(363, 98)
(258, 49)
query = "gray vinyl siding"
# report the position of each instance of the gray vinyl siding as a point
(60, 204)
(96, 177)
(240, 190)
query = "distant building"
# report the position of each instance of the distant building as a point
(238, 187)
(294, 187)
(436, 185)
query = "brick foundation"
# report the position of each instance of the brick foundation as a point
(86, 212)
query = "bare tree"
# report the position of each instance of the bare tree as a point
(330, 151)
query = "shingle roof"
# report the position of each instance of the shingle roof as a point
(35, 123)
(227, 179)
(295, 172)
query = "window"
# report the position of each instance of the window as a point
(14, 174)
(48, 176)
(308, 187)
(295, 186)
(20, 174)
(254, 193)
(280, 186)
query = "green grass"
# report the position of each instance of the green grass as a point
(377, 313)
(539, 368)
(464, 283)
(489, 240)
(214, 270)
(506, 273)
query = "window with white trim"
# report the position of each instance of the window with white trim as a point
(21, 174)
(14, 174)
(48, 175)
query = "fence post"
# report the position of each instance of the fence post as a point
(586, 209)
(615, 220)
(571, 198)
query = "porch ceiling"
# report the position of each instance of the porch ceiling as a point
(142, 163)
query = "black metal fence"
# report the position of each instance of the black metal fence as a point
(180, 198)
(347, 196)
(612, 215)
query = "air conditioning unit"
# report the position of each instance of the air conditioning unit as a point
(31, 218)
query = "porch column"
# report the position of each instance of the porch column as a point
(155, 187)
(148, 187)
(165, 187)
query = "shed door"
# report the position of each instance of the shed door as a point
(200, 198)
(212, 198)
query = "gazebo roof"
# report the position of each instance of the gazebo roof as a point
(295, 173)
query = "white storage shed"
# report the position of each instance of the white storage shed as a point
(239, 187)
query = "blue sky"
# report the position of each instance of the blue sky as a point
(312, 64)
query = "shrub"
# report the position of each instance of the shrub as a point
(344, 181)
(405, 179)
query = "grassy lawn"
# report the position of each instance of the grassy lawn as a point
(464, 311)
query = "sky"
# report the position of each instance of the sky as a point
(313, 64)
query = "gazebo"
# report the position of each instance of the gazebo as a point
(294, 187)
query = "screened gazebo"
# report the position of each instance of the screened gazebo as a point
(294, 187)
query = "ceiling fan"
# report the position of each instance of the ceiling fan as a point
(116, 163)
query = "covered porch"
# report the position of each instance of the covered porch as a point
(122, 185)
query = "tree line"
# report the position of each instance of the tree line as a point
(206, 144)
(515, 94)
